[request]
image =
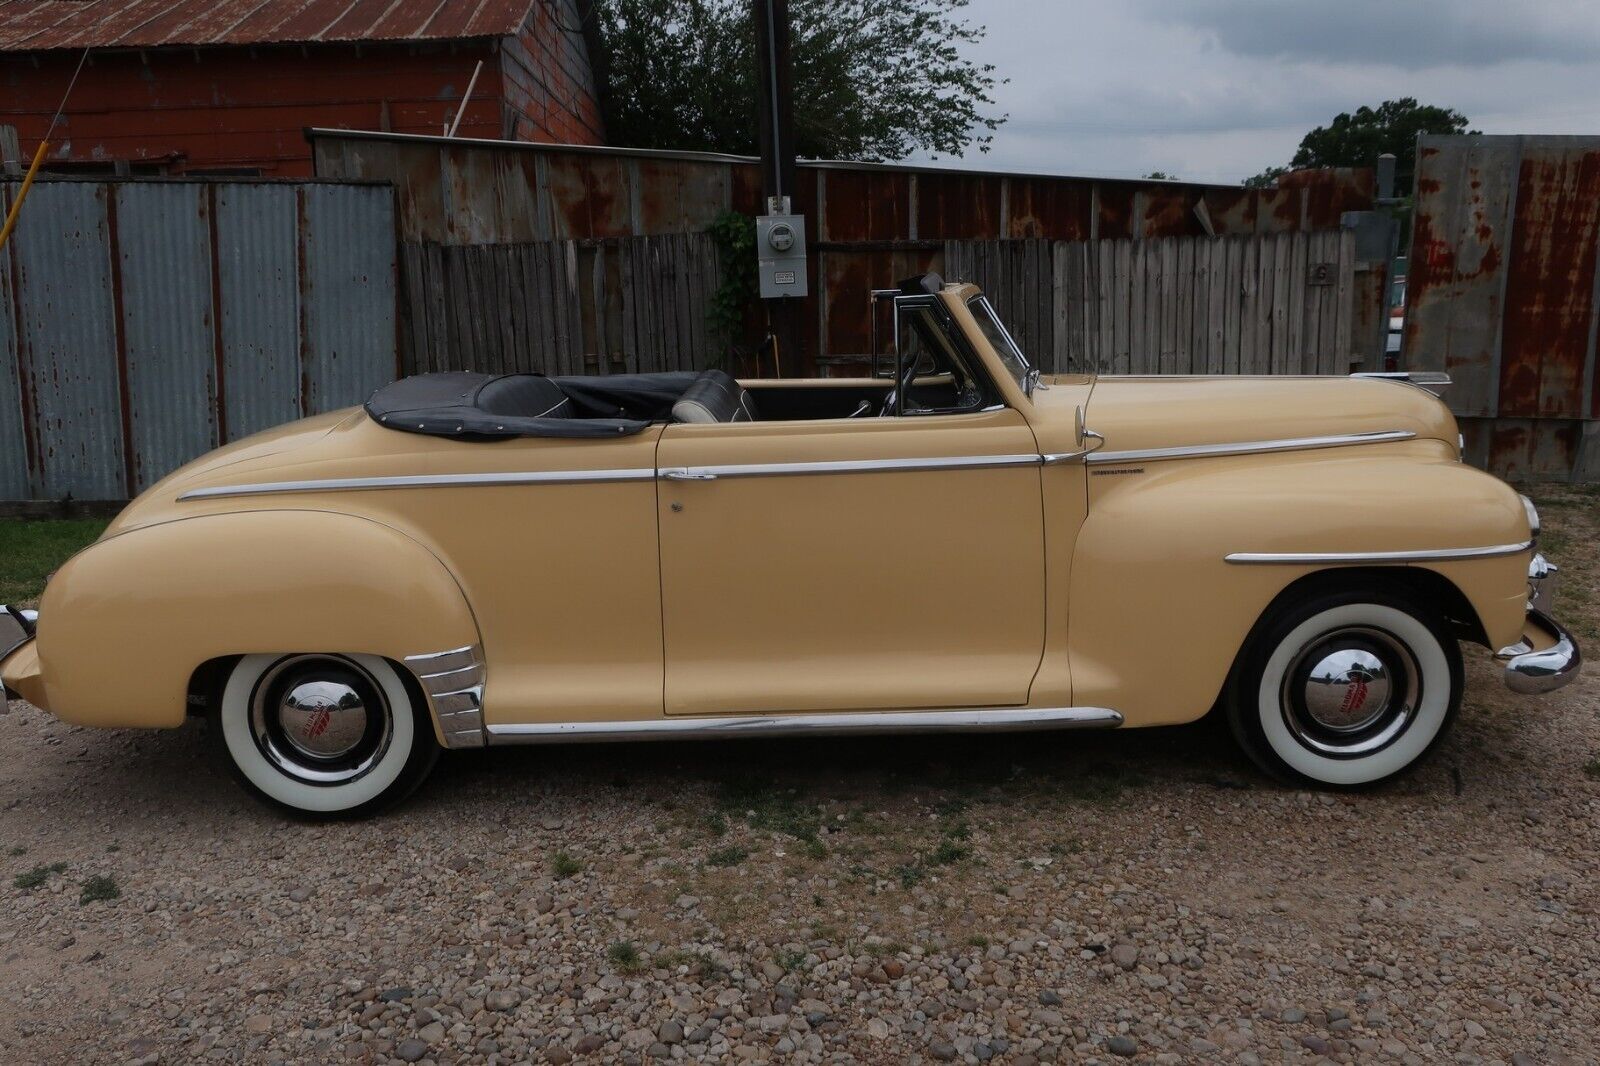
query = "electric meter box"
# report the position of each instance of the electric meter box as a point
(781, 255)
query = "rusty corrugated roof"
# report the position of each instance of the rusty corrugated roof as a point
(39, 25)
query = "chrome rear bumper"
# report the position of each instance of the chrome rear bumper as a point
(17, 627)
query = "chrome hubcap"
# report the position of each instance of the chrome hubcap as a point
(320, 719)
(1346, 690)
(1351, 692)
(323, 719)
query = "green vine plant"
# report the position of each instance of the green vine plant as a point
(734, 235)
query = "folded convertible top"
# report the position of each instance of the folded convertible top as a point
(497, 406)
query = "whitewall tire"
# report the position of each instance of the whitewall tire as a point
(321, 735)
(1345, 690)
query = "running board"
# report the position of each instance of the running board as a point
(1027, 720)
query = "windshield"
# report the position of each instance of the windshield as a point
(999, 339)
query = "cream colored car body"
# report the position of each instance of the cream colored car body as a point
(1049, 578)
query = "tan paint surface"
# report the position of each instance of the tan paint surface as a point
(851, 591)
(1100, 584)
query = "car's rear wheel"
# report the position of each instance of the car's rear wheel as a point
(1345, 690)
(323, 736)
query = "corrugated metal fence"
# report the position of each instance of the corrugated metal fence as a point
(1504, 294)
(144, 323)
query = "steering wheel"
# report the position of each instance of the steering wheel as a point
(902, 388)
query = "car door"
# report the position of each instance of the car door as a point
(853, 563)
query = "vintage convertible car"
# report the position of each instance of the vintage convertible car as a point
(963, 545)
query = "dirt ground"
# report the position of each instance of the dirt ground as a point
(1139, 896)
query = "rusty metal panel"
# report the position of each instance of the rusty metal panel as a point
(679, 197)
(1056, 208)
(347, 290)
(590, 196)
(864, 205)
(1232, 211)
(471, 197)
(257, 257)
(958, 206)
(163, 249)
(1456, 271)
(1550, 284)
(1114, 207)
(1166, 211)
(68, 331)
(45, 24)
(13, 439)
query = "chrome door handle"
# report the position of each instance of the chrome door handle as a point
(688, 475)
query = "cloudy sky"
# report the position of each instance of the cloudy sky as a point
(1215, 90)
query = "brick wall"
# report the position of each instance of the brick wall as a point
(549, 86)
(245, 107)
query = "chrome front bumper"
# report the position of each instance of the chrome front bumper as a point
(1547, 657)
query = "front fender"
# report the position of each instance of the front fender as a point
(124, 624)
(1157, 613)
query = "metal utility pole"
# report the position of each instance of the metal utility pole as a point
(780, 234)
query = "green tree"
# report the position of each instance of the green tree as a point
(871, 80)
(1161, 175)
(1266, 179)
(1356, 140)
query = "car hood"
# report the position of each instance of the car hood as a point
(1137, 413)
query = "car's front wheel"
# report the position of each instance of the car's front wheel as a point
(1345, 689)
(324, 736)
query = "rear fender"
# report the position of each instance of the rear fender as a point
(124, 625)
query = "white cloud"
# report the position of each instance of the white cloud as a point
(1215, 90)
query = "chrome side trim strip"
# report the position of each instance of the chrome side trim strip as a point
(848, 466)
(1425, 555)
(1287, 444)
(419, 481)
(453, 683)
(998, 720)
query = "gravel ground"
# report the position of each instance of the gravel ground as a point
(1139, 896)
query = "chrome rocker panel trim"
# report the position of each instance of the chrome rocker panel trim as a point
(1532, 673)
(1253, 447)
(998, 720)
(1425, 555)
(453, 683)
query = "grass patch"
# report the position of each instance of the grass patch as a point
(1591, 769)
(30, 548)
(37, 876)
(563, 866)
(15, 850)
(624, 955)
(948, 851)
(766, 807)
(97, 888)
(732, 855)
(791, 960)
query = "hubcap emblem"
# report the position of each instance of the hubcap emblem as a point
(323, 719)
(1347, 689)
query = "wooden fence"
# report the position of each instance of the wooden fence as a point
(620, 305)
(1265, 304)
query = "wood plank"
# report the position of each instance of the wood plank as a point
(1344, 322)
(1187, 299)
(1298, 359)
